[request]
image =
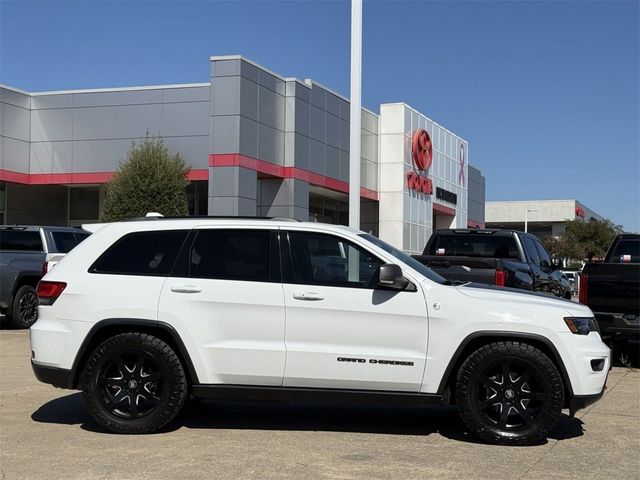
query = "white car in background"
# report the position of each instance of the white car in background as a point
(145, 313)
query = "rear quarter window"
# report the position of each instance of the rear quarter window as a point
(20, 240)
(142, 253)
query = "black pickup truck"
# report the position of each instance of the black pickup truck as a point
(507, 258)
(611, 289)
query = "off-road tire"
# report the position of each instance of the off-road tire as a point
(165, 397)
(24, 301)
(532, 395)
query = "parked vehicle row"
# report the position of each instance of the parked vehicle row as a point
(143, 314)
(26, 254)
(507, 258)
(611, 289)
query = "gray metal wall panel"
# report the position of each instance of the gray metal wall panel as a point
(16, 155)
(332, 130)
(333, 104)
(248, 99)
(16, 122)
(92, 123)
(224, 68)
(194, 150)
(316, 156)
(270, 144)
(226, 96)
(51, 125)
(15, 98)
(332, 162)
(51, 157)
(302, 117)
(186, 94)
(317, 97)
(133, 121)
(271, 108)
(226, 134)
(317, 119)
(248, 137)
(185, 119)
(249, 71)
(51, 101)
(301, 149)
(99, 155)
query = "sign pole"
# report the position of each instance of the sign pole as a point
(355, 113)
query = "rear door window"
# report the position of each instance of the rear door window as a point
(20, 240)
(235, 254)
(142, 253)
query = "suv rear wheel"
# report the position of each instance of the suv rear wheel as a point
(509, 393)
(134, 383)
(24, 311)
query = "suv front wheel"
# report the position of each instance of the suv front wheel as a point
(134, 383)
(509, 393)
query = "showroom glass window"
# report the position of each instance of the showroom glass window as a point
(320, 259)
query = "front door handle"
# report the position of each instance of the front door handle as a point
(186, 289)
(310, 296)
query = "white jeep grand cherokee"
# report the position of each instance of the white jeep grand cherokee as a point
(143, 314)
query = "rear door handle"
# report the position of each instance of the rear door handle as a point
(309, 296)
(186, 289)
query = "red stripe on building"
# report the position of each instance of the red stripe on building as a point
(76, 178)
(267, 168)
(442, 209)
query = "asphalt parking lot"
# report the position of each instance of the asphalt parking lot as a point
(47, 433)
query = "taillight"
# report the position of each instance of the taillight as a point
(500, 278)
(45, 268)
(583, 292)
(48, 292)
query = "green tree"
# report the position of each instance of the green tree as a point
(148, 180)
(582, 239)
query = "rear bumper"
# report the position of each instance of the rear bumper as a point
(58, 377)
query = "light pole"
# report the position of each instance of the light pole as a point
(355, 113)
(526, 216)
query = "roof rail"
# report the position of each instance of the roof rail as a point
(210, 217)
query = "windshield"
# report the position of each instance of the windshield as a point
(404, 258)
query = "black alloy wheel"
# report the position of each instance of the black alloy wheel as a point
(134, 383)
(131, 384)
(25, 307)
(509, 393)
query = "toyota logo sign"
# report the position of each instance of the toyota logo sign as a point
(422, 156)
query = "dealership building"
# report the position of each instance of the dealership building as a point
(543, 217)
(257, 143)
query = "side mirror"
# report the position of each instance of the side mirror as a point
(391, 277)
(558, 263)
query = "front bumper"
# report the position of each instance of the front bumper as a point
(579, 402)
(58, 377)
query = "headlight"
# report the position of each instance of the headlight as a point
(582, 325)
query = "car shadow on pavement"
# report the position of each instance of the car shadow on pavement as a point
(71, 410)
